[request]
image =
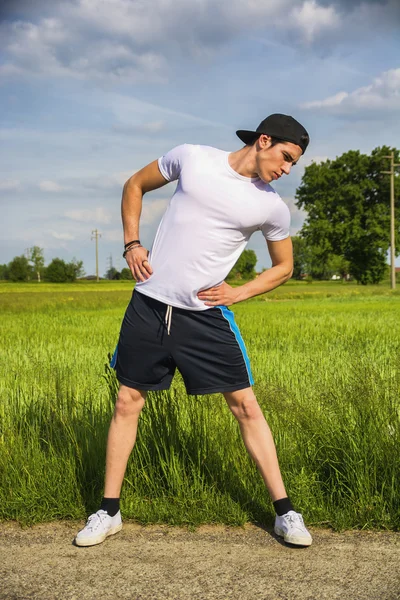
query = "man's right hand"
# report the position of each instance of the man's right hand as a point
(138, 263)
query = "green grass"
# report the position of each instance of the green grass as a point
(325, 358)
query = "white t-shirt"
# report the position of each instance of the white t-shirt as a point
(207, 224)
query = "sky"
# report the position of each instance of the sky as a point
(93, 90)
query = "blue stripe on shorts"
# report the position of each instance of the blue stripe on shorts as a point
(229, 316)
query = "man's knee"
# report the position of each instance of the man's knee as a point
(129, 402)
(244, 405)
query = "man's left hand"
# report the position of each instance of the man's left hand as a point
(223, 294)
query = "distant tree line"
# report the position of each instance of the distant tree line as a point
(113, 274)
(31, 267)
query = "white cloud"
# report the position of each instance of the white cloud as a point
(62, 236)
(8, 185)
(154, 126)
(382, 94)
(312, 19)
(114, 235)
(131, 41)
(59, 47)
(50, 186)
(113, 182)
(86, 215)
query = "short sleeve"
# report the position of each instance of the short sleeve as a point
(277, 226)
(170, 164)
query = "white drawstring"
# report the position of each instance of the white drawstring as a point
(168, 318)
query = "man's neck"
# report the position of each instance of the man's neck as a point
(243, 161)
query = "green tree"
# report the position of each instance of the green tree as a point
(300, 256)
(19, 269)
(337, 265)
(37, 258)
(308, 259)
(113, 274)
(76, 268)
(126, 273)
(347, 201)
(244, 266)
(3, 271)
(58, 271)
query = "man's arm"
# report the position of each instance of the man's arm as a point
(147, 179)
(282, 268)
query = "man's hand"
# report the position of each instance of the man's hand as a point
(138, 263)
(223, 294)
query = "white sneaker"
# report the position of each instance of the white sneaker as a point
(291, 527)
(99, 526)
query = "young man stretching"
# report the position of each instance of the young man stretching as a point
(178, 315)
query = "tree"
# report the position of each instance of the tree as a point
(113, 274)
(310, 260)
(347, 201)
(76, 268)
(58, 271)
(300, 257)
(3, 272)
(244, 266)
(37, 258)
(19, 269)
(337, 265)
(126, 273)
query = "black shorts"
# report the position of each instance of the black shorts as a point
(206, 347)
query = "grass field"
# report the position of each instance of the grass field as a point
(325, 358)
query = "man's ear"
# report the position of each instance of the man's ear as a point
(264, 141)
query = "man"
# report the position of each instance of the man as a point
(178, 315)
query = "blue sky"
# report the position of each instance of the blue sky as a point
(92, 90)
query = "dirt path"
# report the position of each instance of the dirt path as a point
(160, 563)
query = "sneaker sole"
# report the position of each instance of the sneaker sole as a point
(292, 539)
(93, 541)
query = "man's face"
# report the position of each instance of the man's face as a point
(275, 161)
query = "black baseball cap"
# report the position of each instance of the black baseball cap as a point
(279, 126)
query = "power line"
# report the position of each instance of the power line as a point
(95, 236)
(392, 219)
(110, 267)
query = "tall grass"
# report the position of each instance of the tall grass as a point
(327, 378)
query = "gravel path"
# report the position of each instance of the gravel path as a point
(163, 563)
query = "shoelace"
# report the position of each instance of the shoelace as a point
(94, 521)
(296, 521)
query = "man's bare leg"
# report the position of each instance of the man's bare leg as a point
(122, 437)
(260, 445)
(257, 438)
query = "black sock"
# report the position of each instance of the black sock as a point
(110, 505)
(282, 506)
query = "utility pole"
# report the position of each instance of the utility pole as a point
(95, 236)
(392, 220)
